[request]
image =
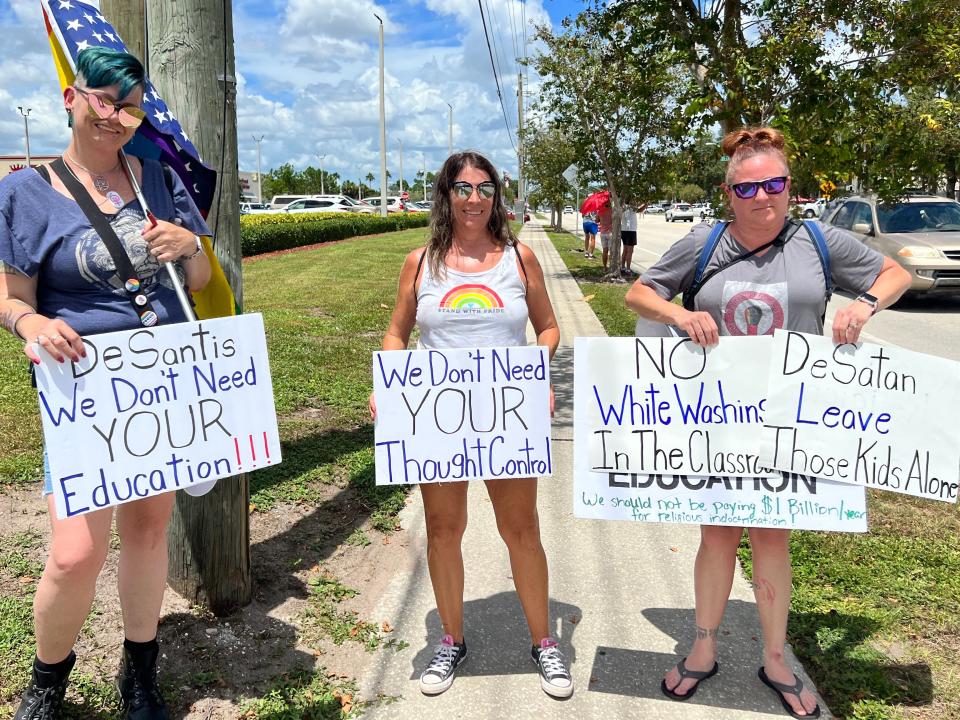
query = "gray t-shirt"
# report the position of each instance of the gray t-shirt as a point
(783, 288)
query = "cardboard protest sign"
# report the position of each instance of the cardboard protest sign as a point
(462, 414)
(157, 409)
(666, 406)
(771, 500)
(882, 417)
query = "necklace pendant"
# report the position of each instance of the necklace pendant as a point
(101, 184)
(114, 197)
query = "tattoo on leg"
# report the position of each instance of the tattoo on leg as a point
(764, 591)
(707, 633)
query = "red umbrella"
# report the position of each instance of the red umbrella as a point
(595, 202)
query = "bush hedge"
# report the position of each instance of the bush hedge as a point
(267, 233)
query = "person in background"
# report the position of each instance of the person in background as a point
(58, 283)
(628, 237)
(781, 285)
(471, 244)
(590, 230)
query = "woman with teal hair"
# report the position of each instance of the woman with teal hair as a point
(60, 280)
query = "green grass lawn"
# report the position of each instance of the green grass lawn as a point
(325, 311)
(875, 618)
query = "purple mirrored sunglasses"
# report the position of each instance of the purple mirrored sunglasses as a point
(771, 186)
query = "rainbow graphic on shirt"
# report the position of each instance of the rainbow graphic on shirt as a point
(471, 299)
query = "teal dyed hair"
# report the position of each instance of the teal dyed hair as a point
(99, 67)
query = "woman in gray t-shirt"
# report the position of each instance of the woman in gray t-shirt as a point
(779, 287)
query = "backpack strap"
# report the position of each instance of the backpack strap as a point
(44, 172)
(820, 243)
(708, 249)
(713, 239)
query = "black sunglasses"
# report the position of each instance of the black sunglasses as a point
(485, 189)
(771, 186)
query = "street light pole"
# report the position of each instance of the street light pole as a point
(400, 143)
(450, 136)
(26, 130)
(423, 159)
(323, 190)
(383, 131)
(259, 140)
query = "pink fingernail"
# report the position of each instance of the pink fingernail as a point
(60, 360)
(36, 361)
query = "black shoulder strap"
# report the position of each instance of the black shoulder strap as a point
(516, 246)
(43, 172)
(125, 270)
(417, 274)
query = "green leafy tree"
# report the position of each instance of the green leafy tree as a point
(547, 154)
(628, 82)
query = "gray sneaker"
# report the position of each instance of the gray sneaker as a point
(554, 677)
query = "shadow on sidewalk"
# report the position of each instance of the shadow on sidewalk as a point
(497, 637)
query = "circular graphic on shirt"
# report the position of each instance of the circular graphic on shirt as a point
(750, 312)
(96, 265)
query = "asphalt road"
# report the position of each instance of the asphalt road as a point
(925, 324)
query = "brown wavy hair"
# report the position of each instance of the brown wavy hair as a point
(441, 214)
(749, 141)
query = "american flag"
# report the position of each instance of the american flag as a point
(74, 26)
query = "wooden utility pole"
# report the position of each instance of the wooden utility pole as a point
(127, 18)
(189, 53)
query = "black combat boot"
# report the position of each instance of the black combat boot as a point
(42, 700)
(139, 694)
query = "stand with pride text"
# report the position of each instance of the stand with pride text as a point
(154, 410)
(881, 417)
(462, 414)
(690, 416)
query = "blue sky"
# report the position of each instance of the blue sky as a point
(307, 72)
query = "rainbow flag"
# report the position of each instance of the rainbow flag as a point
(73, 26)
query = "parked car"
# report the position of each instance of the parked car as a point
(568, 210)
(394, 203)
(679, 211)
(247, 208)
(278, 202)
(654, 209)
(813, 209)
(350, 203)
(707, 212)
(306, 205)
(921, 233)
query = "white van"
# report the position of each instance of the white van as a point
(279, 201)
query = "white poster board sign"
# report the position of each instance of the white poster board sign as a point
(157, 409)
(882, 417)
(462, 414)
(771, 500)
(666, 406)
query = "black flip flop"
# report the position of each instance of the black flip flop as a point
(782, 690)
(698, 675)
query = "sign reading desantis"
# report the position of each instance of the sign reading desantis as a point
(154, 410)
(881, 417)
(462, 414)
(667, 406)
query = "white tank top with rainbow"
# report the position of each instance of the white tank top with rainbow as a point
(482, 309)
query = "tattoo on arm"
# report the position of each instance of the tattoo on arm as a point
(707, 633)
(9, 315)
(6, 269)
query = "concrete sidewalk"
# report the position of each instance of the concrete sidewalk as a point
(621, 597)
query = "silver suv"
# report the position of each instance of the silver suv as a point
(921, 233)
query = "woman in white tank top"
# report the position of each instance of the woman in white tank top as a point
(472, 249)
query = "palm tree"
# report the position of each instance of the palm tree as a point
(369, 178)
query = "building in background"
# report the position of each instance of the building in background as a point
(12, 163)
(250, 186)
